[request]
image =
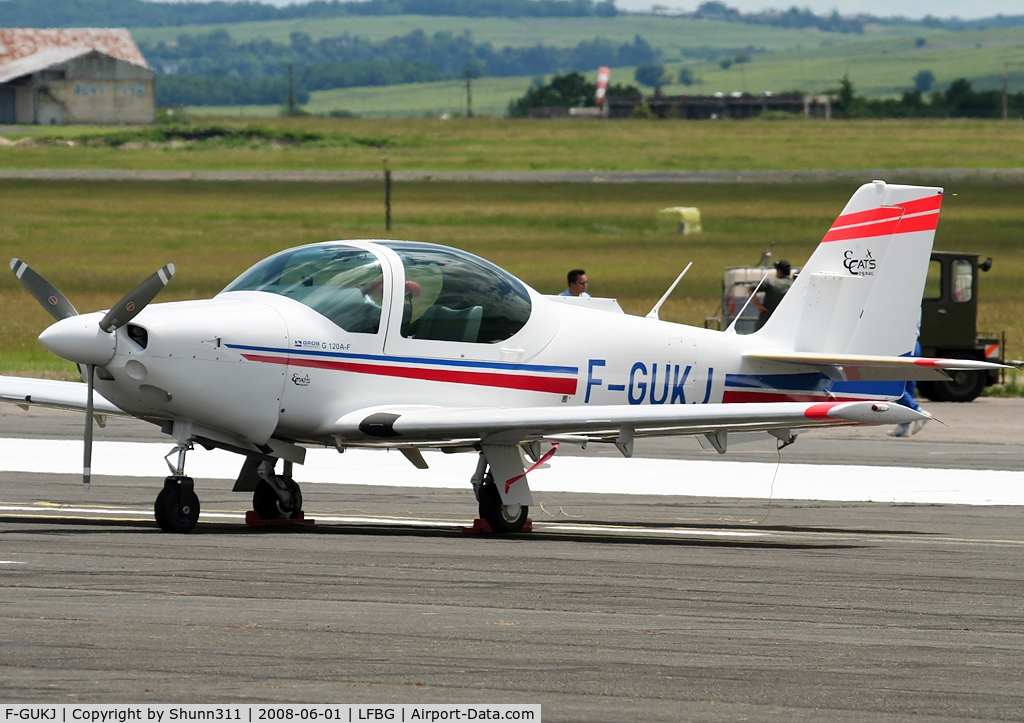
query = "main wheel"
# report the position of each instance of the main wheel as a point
(269, 506)
(176, 508)
(501, 517)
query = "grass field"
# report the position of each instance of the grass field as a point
(95, 241)
(500, 144)
(881, 62)
(667, 33)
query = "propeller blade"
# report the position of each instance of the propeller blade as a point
(87, 457)
(136, 300)
(45, 292)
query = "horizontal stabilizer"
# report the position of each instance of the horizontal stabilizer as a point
(865, 368)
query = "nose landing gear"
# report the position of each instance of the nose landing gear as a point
(177, 506)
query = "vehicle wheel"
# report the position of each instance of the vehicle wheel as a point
(176, 509)
(269, 506)
(932, 391)
(502, 518)
(964, 386)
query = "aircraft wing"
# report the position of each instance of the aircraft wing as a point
(25, 391)
(419, 426)
(865, 368)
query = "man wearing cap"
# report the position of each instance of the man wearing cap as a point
(774, 289)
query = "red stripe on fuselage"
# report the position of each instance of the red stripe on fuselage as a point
(483, 379)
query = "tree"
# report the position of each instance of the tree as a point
(924, 80)
(565, 91)
(652, 74)
(849, 104)
(686, 76)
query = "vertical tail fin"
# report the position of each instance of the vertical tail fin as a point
(860, 292)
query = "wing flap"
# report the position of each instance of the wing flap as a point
(53, 394)
(866, 368)
(511, 425)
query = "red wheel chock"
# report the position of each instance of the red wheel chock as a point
(253, 519)
(480, 527)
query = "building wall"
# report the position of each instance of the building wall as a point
(99, 89)
(24, 104)
(91, 89)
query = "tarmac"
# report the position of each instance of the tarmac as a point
(617, 607)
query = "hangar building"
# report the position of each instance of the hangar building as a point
(60, 76)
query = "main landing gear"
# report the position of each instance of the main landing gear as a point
(502, 518)
(276, 497)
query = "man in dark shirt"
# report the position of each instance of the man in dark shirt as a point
(774, 288)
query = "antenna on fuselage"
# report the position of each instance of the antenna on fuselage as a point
(653, 313)
(732, 326)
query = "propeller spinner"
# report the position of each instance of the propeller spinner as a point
(83, 340)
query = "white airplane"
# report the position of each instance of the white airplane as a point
(402, 345)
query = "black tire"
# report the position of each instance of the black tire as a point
(932, 391)
(268, 506)
(503, 519)
(176, 509)
(964, 386)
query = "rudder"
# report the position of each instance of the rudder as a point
(860, 292)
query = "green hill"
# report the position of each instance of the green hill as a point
(668, 33)
(881, 62)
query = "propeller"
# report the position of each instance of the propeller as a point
(45, 292)
(81, 342)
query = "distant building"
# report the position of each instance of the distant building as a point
(702, 107)
(69, 76)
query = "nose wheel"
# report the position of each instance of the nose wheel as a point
(177, 507)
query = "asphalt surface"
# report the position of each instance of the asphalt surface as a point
(616, 607)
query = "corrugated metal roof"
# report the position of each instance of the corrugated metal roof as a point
(18, 43)
(40, 61)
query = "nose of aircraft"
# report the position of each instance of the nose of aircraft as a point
(79, 339)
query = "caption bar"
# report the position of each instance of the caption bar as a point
(163, 713)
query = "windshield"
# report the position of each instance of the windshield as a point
(344, 284)
(452, 295)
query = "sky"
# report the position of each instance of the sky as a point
(907, 8)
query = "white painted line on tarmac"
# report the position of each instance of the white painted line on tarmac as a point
(716, 478)
(664, 531)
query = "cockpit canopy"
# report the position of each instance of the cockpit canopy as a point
(343, 283)
(449, 295)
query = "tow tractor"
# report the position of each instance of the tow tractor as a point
(949, 326)
(949, 319)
